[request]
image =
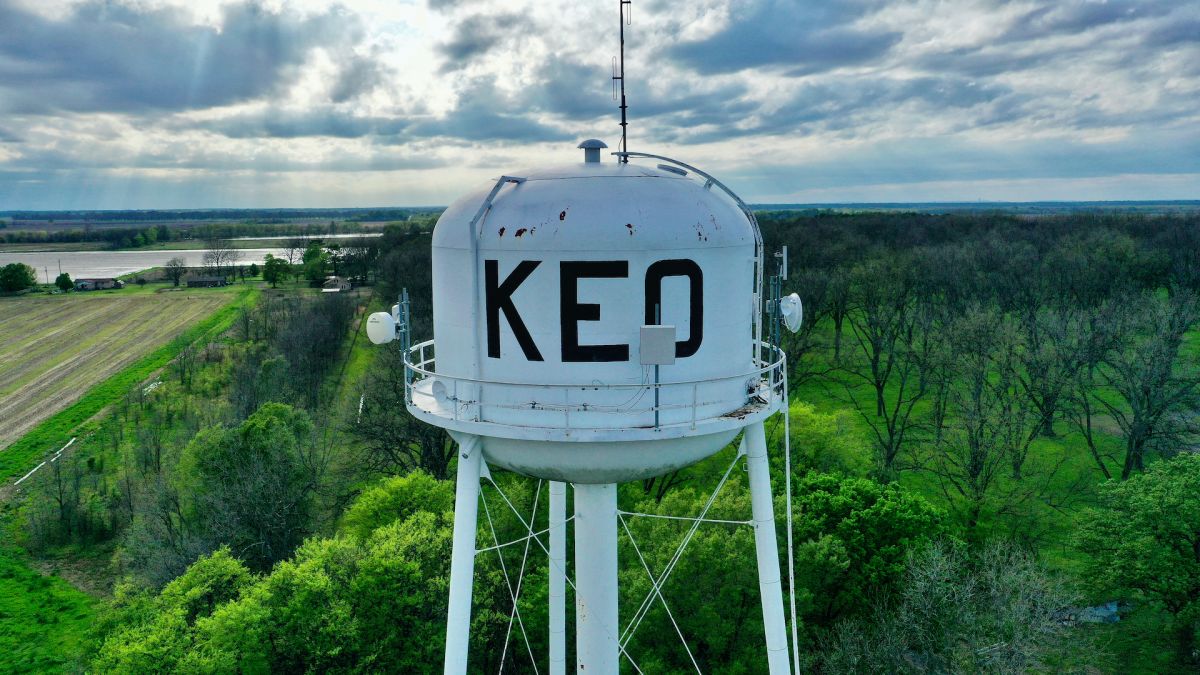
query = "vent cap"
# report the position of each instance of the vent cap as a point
(591, 150)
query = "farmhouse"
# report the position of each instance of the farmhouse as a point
(206, 282)
(97, 284)
(335, 285)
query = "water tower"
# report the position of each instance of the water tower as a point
(597, 323)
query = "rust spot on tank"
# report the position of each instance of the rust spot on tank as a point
(520, 232)
(562, 215)
(502, 232)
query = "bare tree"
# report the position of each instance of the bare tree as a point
(396, 442)
(294, 249)
(991, 422)
(1051, 357)
(175, 269)
(659, 486)
(1100, 333)
(998, 612)
(801, 346)
(893, 347)
(837, 305)
(1157, 394)
(220, 255)
(892, 426)
(881, 311)
(152, 442)
(185, 366)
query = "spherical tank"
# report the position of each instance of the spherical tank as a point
(540, 299)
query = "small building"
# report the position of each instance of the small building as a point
(206, 282)
(335, 285)
(97, 284)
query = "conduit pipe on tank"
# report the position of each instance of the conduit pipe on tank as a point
(476, 228)
(745, 208)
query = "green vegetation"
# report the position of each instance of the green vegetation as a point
(52, 433)
(1144, 538)
(17, 277)
(44, 621)
(274, 270)
(992, 425)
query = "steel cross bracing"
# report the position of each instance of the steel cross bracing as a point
(515, 595)
(529, 528)
(657, 582)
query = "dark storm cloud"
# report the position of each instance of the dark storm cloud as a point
(571, 89)
(50, 161)
(1181, 30)
(485, 114)
(850, 102)
(477, 35)
(920, 160)
(797, 37)
(1071, 17)
(476, 121)
(105, 56)
(449, 5)
(359, 76)
(580, 92)
(328, 122)
(1028, 43)
(481, 113)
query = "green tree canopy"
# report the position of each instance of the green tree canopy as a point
(252, 486)
(853, 536)
(144, 633)
(17, 277)
(373, 605)
(397, 498)
(63, 281)
(274, 270)
(1144, 539)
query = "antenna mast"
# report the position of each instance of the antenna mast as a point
(620, 75)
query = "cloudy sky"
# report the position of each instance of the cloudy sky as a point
(191, 103)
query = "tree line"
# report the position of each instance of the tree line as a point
(961, 344)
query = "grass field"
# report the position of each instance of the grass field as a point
(53, 349)
(43, 619)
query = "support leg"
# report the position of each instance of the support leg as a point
(462, 561)
(596, 628)
(769, 585)
(558, 578)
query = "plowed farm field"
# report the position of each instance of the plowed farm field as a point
(54, 348)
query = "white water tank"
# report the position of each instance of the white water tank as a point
(539, 309)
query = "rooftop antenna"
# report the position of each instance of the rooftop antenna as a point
(626, 17)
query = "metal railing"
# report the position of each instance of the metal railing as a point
(594, 405)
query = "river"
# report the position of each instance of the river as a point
(88, 264)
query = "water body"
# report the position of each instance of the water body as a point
(86, 264)
(359, 235)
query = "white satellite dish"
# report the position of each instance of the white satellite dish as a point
(381, 328)
(792, 311)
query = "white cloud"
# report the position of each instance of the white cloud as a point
(319, 103)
